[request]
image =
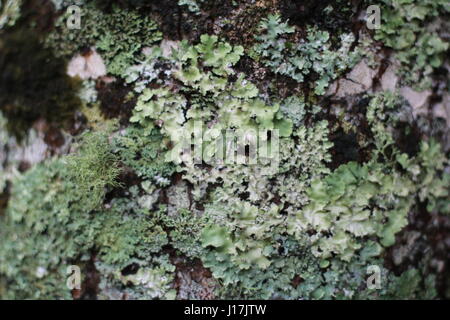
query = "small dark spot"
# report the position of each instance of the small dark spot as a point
(130, 269)
(24, 166)
(89, 287)
(4, 198)
(54, 138)
(296, 281)
(345, 148)
(114, 101)
(407, 138)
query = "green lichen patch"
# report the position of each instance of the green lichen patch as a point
(119, 36)
(310, 60)
(412, 29)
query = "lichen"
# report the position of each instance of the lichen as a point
(9, 12)
(311, 58)
(148, 207)
(411, 28)
(119, 36)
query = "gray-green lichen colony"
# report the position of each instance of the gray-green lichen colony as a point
(93, 172)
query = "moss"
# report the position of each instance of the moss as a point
(93, 168)
(33, 84)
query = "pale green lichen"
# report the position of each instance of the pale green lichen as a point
(152, 68)
(119, 36)
(192, 5)
(222, 103)
(142, 152)
(311, 57)
(411, 28)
